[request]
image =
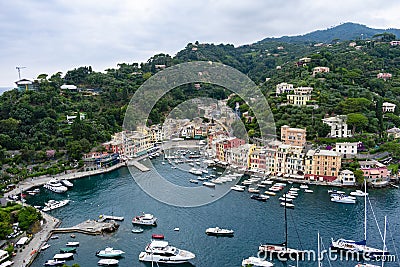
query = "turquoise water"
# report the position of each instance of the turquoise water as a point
(254, 222)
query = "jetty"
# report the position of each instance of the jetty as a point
(138, 165)
(90, 227)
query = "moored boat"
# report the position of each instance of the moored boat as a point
(109, 252)
(256, 262)
(209, 184)
(157, 236)
(55, 186)
(343, 199)
(68, 249)
(54, 263)
(63, 256)
(145, 219)
(161, 251)
(259, 197)
(216, 231)
(54, 204)
(44, 247)
(108, 262)
(72, 244)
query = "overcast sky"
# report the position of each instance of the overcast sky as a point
(60, 35)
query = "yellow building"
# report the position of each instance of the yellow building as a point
(298, 100)
(322, 165)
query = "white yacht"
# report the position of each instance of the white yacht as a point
(109, 253)
(67, 183)
(145, 219)
(55, 186)
(161, 251)
(256, 262)
(343, 199)
(195, 171)
(219, 231)
(54, 204)
(239, 188)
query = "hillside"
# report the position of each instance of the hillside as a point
(36, 138)
(343, 32)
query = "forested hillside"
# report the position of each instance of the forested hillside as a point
(34, 130)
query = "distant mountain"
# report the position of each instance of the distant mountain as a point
(345, 31)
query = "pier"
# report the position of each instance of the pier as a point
(110, 217)
(90, 227)
(138, 165)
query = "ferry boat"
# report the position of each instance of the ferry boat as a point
(161, 251)
(55, 186)
(109, 253)
(54, 204)
(54, 263)
(216, 231)
(256, 262)
(108, 262)
(145, 219)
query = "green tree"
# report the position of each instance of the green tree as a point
(357, 121)
(359, 175)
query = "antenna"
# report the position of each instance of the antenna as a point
(19, 71)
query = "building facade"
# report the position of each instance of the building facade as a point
(338, 126)
(293, 136)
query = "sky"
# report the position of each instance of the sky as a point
(60, 35)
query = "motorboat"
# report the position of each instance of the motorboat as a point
(209, 184)
(259, 197)
(54, 204)
(267, 182)
(193, 181)
(68, 249)
(304, 186)
(253, 190)
(44, 247)
(256, 262)
(109, 252)
(216, 231)
(108, 262)
(55, 186)
(286, 199)
(72, 244)
(308, 191)
(239, 188)
(333, 191)
(358, 193)
(63, 256)
(270, 193)
(287, 204)
(161, 251)
(54, 263)
(195, 171)
(137, 230)
(67, 183)
(145, 219)
(343, 199)
(289, 196)
(157, 236)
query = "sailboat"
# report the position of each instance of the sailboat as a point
(282, 251)
(359, 246)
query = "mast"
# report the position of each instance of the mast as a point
(319, 253)
(384, 244)
(365, 210)
(286, 245)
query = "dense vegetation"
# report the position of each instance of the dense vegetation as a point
(34, 126)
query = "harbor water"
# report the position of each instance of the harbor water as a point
(254, 222)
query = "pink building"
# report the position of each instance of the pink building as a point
(374, 171)
(384, 75)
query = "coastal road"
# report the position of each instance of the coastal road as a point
(28, 254)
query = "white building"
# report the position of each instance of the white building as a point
(346, 148)
(388, 107)
(283, 88)
(346, 177)
(338, 126)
